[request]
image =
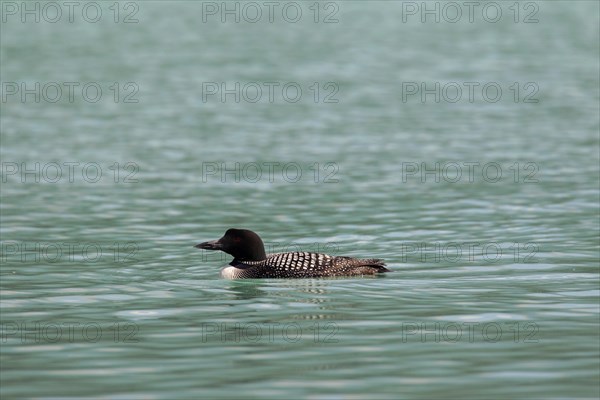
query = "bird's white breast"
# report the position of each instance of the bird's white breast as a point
(229, 272)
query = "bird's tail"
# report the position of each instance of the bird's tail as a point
(375, 263)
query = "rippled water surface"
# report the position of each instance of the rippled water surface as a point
(486, 208)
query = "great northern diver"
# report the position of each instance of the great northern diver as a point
(251, 261)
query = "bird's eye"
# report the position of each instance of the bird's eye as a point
(236, 239)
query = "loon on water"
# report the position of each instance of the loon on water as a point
(251, 261)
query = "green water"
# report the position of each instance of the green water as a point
(486, 208)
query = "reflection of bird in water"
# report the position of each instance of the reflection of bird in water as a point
(294, 293)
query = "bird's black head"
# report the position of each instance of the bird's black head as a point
(242, 244)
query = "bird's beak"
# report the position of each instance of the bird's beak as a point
(212, 245)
